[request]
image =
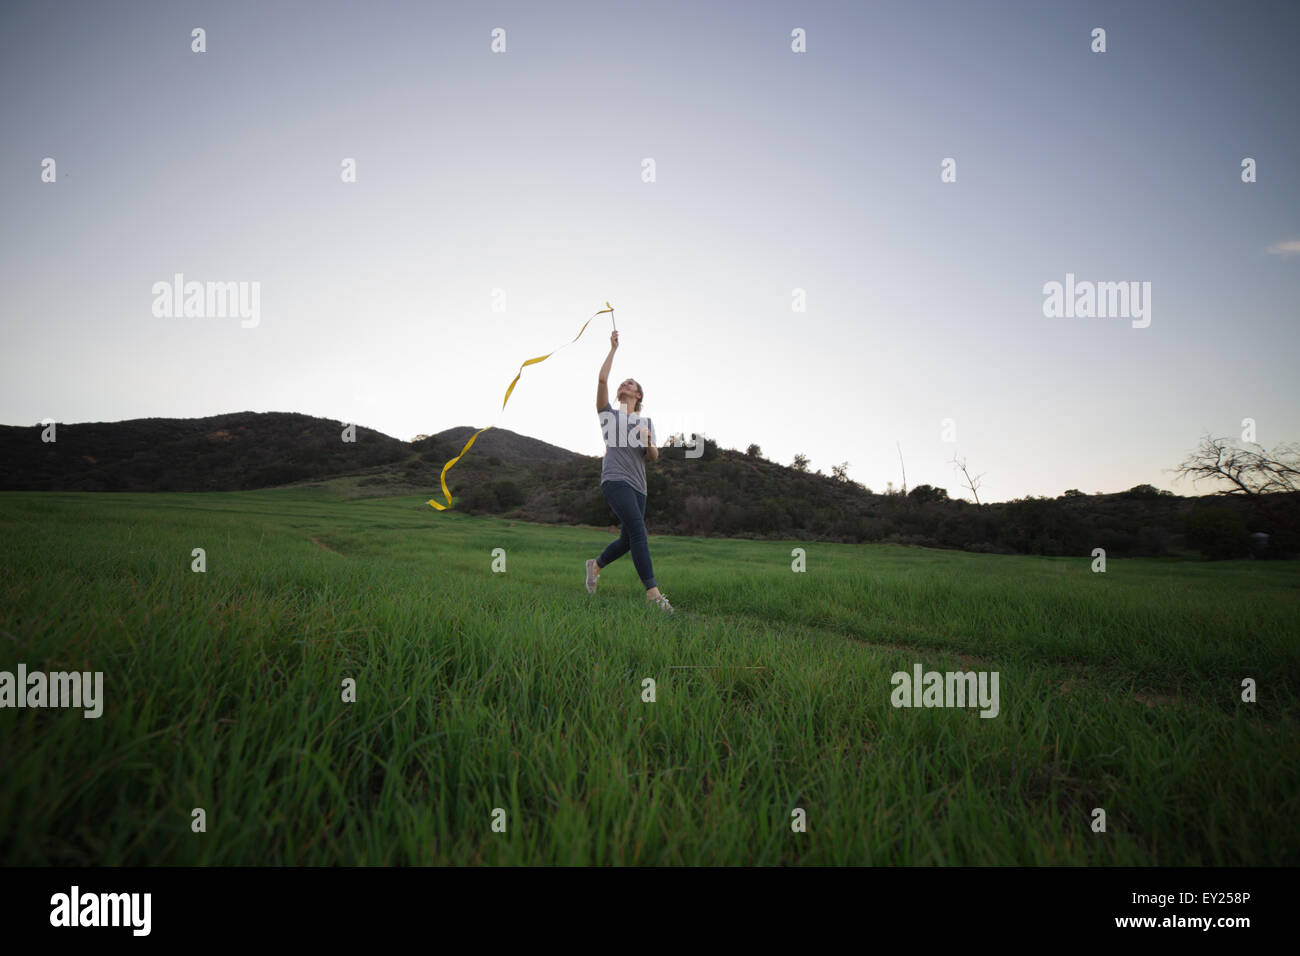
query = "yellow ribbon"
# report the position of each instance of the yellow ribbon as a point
(532, 361)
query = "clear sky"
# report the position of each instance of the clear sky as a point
(775, 171)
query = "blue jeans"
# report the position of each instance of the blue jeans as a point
(629, 505)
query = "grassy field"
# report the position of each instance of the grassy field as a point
(478, 690)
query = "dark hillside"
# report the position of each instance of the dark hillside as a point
(723, 492)
(233, 452)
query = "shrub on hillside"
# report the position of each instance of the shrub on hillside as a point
(508, 494)
(1216, 532)
(702, 512)
(924, 494)
(594, 509)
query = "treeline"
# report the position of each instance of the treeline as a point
(733, 494)
(721, 492)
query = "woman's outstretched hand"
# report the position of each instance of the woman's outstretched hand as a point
(613, 341)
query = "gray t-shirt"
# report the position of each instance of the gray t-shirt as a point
(625, 449)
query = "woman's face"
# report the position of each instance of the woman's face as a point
(628, 389)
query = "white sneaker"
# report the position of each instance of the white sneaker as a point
(662, 601)
(592, 575)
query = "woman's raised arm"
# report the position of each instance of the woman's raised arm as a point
(602, 385)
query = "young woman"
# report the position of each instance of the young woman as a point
(629, 441)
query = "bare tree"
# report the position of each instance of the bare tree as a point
(800, 462)
(1259, 475)
(973, 484)
(840, 472)
(1246, 472)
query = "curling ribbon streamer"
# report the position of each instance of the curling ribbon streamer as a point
(532, 361)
